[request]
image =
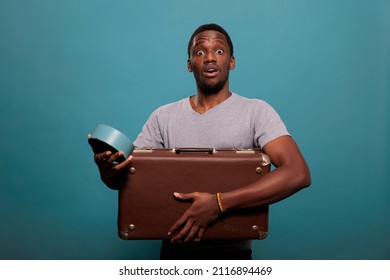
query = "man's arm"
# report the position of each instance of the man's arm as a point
(291, 175)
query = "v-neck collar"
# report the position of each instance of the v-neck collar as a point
(215, 108)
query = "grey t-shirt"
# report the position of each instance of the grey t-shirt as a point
(238, 122)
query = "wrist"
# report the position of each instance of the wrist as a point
(113, 182)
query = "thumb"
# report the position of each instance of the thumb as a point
(183, 196)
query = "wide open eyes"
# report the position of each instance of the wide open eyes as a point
(201, 52)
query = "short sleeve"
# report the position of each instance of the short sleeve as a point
(268, 125)
(150, 135)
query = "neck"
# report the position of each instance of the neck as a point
(201, 103)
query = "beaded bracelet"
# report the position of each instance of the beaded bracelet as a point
(219, 202)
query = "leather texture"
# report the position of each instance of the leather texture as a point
(147, 207)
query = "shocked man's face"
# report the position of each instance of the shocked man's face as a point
(210, 61)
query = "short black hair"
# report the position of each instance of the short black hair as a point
(211, 26)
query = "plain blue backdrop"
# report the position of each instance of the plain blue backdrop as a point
(66, 66)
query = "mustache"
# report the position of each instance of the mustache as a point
(211, 67)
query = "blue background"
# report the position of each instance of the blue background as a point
(66, 66)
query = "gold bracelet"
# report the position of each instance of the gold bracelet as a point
(219, 202)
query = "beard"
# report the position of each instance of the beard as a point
(211, 89)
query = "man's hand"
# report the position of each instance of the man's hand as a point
(203, 211)
(108, 166)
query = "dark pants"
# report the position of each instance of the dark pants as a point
(171, 251)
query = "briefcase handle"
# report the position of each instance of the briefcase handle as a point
(194, 150)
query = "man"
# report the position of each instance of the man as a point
(217, 118)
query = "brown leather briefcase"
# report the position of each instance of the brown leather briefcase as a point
(147, 207)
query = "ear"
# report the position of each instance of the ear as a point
(189, 66)
(232, 63)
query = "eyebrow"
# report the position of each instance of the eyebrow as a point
(202, 41)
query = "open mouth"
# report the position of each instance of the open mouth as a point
(211, 70)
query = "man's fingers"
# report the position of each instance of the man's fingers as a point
(178, 224)
(108, 157)
(107, 162)
(115, 157)
(183, 232)
(183, 219)
(102, 156)
(191, 235)
(126, 163)
(201, 232)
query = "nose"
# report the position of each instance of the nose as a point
(210, 57)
